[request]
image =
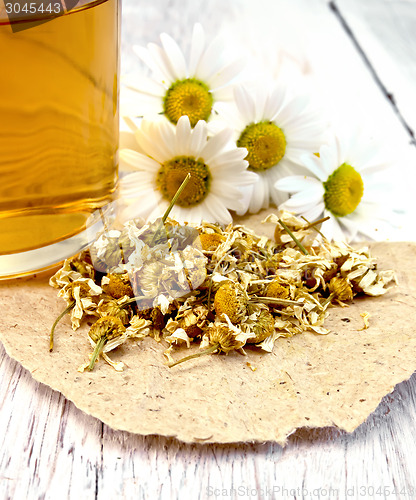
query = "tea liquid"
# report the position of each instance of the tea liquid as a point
(58, 125)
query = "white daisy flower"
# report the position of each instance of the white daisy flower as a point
(167, 154)
(277, 131)
(179, 87)
(347, 185)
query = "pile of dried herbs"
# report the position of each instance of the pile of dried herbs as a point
(220, 287)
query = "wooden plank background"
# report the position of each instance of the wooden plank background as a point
(359, 59)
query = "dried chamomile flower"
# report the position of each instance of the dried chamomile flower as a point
(106, 252)
(289, 226)
(191, 320)
(73, 269)
(211, 241)
(242, 245)
(276, 290)
(231, 300)
(106, 334)
(220, 337)
(117, 285)
(340, 289)
(174, 275)
(360, 269)
(79, 293)
(224, 338)
(83, 265)
(138, 328)
(262, 326)
(116, 308)
(177, 336)
(374, 283)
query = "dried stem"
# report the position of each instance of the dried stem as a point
(133, 299)
(171, 205)
(275, 300)
(298, 243)
(97, 350)
(313, 224)
(58, 319)
(328, 300)
(209, 350)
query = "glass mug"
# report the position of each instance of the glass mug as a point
(58, 127)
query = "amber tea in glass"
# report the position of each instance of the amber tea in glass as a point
(58, 130)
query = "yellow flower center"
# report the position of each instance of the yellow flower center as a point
(343, 190)
(276, 290)
(188, 97)
(265, 143)
(230, 299)
(173, 172)
(210, 242)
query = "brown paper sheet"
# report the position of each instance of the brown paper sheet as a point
(308, 381)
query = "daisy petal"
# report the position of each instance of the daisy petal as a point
(183, 137)
(312, 163)
(198, 139)
(197, 48)
(245, 104)
(218, 211)
(216, 144)
(209, 63)
(226, 74)
(144, 85)
(314, 213)
(297, 183)
(175, 57)
(138, 161)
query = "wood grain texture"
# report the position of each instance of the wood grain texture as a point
(384, 30)
(49, 449)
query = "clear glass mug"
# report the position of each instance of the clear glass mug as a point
(58, 126)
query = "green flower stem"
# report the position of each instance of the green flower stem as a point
(171, 205)
(328, 300)
(58, 319)
(209, 350)
(97, 351)
(298, 243)
(175, 198)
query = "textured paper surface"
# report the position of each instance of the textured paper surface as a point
(308, 381)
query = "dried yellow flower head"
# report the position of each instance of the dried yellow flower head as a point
(113, 308)
(231, 300)
(82, 265)
(106, 334)
(340, 289)
(118, 285)
(211, 241)
(263, 327)
(111, 255)
(106, 328)
(277, 290)
(222, 336)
